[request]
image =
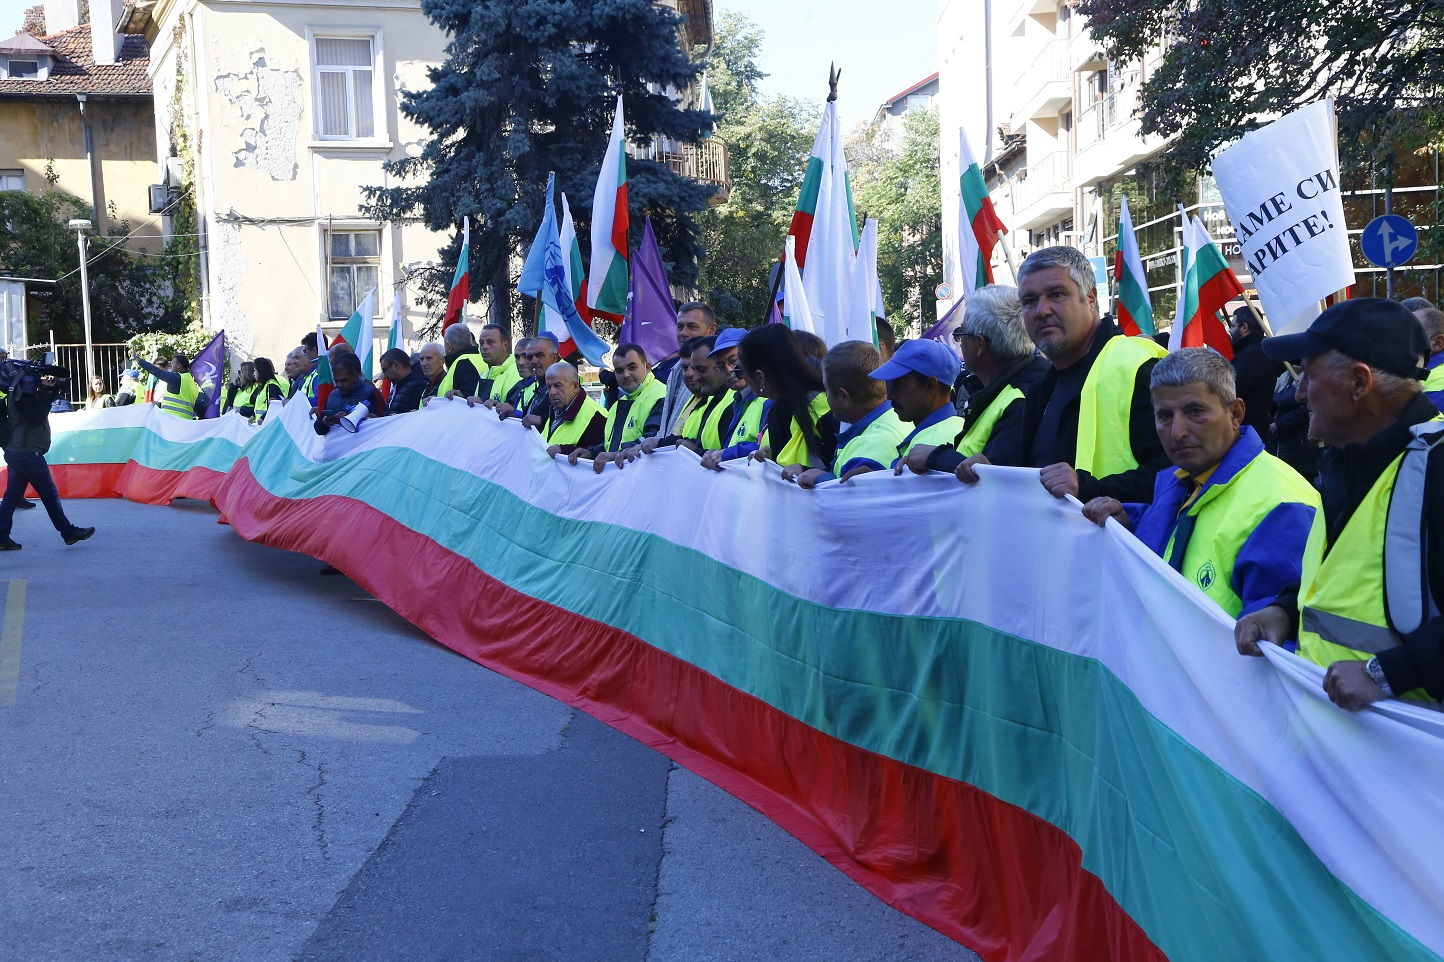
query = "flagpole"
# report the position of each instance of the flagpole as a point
(1008, 253)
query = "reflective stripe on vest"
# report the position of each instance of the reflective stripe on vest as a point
(570, 432)
(183, 403)
(449, 379)
(647, 396)
(1347, 612)
(981, 430)
(1220, 521)
(877, 443)
(1104, 448)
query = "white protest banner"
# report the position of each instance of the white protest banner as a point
(1280, 186)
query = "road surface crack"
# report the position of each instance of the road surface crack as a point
(318, 799)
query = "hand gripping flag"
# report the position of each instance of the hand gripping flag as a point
(607, 279)
(460, 281)
(978, 223)
(1135, 309)
(544, 276)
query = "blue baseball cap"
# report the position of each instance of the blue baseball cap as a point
(926, 357)
(727, 339)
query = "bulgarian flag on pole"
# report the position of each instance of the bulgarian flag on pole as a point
(1135, 310)
(359, 332)
(325, 383)
(978, 223)
(824, 229)
(607, 279)
(1208, 285)
(460, 281)
(394, 339)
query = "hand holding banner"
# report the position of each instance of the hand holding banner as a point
(1280, 186)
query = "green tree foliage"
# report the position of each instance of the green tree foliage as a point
(1229, 66)
(529, 87)
(768, 140)
(899, 185)
(129, 292)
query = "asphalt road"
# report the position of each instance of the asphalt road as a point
(209, 751)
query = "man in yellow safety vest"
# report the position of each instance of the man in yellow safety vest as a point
(1370, 611)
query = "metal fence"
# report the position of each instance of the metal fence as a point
(110, 360)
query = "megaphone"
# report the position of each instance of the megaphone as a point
(353, 418)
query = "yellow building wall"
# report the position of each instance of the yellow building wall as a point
(40, 135)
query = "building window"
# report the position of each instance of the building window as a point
(355, 266)
(345, 76)
(24, 69)
(12, 180)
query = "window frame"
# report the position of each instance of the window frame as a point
(39, 62)
(330, 263)
(18, 173)
(380, 114)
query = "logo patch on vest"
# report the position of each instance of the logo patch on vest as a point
(1205, 576)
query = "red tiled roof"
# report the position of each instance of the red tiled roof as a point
(74, 71)
(921, 83)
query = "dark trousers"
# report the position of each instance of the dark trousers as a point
(29, 467)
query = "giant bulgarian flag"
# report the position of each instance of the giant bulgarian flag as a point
(978, 223)
(1135, 309)
(1208, 285)
(460, 281)
(1023, 729)
(359, 332)
(607, 278)
(825, 229)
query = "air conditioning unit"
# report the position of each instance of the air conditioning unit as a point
(160, 198)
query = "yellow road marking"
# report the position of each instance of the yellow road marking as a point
(10, 632)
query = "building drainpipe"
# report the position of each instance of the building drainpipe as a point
(198, 172)
(92, 166)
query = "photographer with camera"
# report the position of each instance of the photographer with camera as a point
(30, 389)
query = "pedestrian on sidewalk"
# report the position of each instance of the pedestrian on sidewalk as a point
(29, 390)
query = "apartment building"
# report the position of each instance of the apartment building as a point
(1054, 125)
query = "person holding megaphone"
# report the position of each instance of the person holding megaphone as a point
(353, 400)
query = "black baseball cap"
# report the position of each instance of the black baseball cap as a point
(1379, 332)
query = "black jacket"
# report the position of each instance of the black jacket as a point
(406, 396)
(1003, 444)
(1254, 377)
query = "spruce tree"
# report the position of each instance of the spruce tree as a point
(529, 87)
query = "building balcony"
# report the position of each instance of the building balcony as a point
(1085, 53)
(1045, 86)
(706, 162)
(1044, 193)
(1022, 10)
(1108, 141)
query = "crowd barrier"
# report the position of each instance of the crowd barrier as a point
(1019, 728)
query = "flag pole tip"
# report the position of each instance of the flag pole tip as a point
(833, 74)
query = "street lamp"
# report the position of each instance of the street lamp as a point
(82, 234)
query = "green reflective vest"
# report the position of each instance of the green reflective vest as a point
(448, 380)
(795, 450)
(503, 377)
(648, 395)
(704, 421)
(1435, 381)
(182, 403)
(749, 425)
(259, 400)
(1103, 441)
(570, 432)
(877, 442)
(944, 432)
(1346, 609)
(1227, 513)
(981, 430)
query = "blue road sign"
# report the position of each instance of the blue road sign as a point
(1389, 241)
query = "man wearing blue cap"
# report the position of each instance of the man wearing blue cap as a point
(1370, 611)
(920, 380)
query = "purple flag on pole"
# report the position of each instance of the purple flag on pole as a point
(946, 325)
(651, 319)
(209, 369)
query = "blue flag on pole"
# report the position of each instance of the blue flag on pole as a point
(208, 368)
(544, 275)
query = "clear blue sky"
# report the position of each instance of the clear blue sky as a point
(882, 46)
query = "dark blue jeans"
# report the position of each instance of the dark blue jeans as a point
(29, 467)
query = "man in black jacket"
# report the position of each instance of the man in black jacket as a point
(407, 381)
(29, 390)
(1253, 372)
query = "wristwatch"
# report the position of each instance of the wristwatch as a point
(1377, 673)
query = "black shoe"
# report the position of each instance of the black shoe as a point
(77, 534)
(329, 570)
(25, 503)
(7, 545)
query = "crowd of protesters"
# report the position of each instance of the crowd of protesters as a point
(1281, 484)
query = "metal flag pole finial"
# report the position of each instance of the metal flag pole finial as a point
(833, 74)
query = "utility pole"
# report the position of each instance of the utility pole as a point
(82, 234)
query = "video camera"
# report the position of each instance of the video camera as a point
(31, 387)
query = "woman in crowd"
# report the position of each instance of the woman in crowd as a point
(797, 427)
(98, 397)
(240, 389)
(269, 387)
